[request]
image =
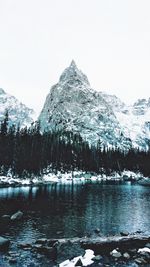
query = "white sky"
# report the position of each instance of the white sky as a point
(108, 39)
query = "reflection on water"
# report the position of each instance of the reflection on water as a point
(76, 209)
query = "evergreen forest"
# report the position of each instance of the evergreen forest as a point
(27, 152)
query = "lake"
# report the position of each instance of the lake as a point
(72, 209)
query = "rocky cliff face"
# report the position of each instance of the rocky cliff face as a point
(19, 114)
(73, 105)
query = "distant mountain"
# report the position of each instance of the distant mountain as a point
(135, 120)
(19, 114)
(73, 105)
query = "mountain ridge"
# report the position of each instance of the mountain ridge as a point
(18, 113)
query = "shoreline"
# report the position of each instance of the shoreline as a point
(122, 249)
(77, 176)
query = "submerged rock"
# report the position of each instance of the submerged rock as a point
(41, 241)
(24, 245)
(124, 233)
(59, 232)
(13, 254)
(6, 217)
(12, 260)
(49, 251)
(4, 243)
(97, 230)
(37, 246)
(17, 216)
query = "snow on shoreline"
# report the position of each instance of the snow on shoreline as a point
(76, 176)
(86, 259)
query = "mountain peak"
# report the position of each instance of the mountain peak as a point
(73, 75)
(73, 64)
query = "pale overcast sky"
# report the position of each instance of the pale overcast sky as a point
(108, 39)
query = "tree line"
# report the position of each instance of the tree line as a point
(27, 152)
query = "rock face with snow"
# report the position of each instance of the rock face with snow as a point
(19, 114)
(135, 122)
(73, 105)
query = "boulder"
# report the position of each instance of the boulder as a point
(140, 261)
(144, 250)
(138, 232)
(17, 216)
(124, 233)
(4, 243)
(115, 254)
(126, 256)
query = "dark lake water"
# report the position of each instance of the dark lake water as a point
(73, 209)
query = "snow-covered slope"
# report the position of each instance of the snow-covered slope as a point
(134, 120)
(136, 123)
(18, 113)
(73, 105)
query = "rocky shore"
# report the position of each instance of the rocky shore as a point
(122, 250)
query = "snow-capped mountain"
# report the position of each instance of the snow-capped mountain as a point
(73, 105)
(134, 120)
(18, 113)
